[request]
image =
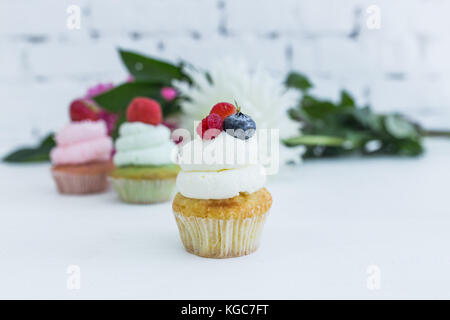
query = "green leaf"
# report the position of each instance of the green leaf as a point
(116, 100)
(409, 147)
(346, 100)
(37, 154)
(145, 68)
(342, 128)
(314, 140)
(316, 108)
(296, 114)
(368, 119)
(170, 107)
(399, 127)
(298, 81)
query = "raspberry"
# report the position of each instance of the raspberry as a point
(223, 109)
(144, 110)
(202, 127)
(82, 110)
(214, 121)
(211, 133)
(210, 127)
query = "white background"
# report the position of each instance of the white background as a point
(329, 222)
(403, 66)
(330, 219)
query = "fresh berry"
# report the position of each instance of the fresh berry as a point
(214, 121)
(223, 109)
(210, 127)
(144, 110)
(202, 127)
(83, 110)
(240, 126)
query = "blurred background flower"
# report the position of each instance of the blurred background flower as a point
(98, 89)
(168, 93)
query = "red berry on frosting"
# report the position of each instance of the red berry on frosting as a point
(202, 127)
(81, 110)
(144, 110)
(223, 109)
(211, 133)
(214, 121)
(210, 127)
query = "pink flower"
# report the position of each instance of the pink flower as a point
(130, 78)
(168, 93)
(98, 89)
(109, 118)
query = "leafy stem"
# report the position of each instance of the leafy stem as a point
(435, 133)
(33, 154)
(336, 128)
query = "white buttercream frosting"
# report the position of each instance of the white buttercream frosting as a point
(223, 152)
(143, 144)
(220, 184)
(220, 168)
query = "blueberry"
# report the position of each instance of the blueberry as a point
(240, 126)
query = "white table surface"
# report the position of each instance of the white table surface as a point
(330, 220)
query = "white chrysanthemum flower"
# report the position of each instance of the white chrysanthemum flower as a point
(259, 95)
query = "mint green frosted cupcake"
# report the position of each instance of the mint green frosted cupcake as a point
(144, 170)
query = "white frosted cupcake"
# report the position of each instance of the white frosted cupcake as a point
(144, 170)
(221, 204)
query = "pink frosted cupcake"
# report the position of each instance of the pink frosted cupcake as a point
(82, 158)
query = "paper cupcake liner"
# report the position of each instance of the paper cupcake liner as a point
(70, 183)
(144, 190)
(220, 238)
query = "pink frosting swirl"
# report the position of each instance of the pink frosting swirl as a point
(82, 142)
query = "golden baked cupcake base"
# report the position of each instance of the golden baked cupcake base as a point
(222, 228)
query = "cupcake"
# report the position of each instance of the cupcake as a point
(82, 158)
(221, 204)
(145, 172)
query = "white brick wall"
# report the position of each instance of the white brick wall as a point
(402, 66)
